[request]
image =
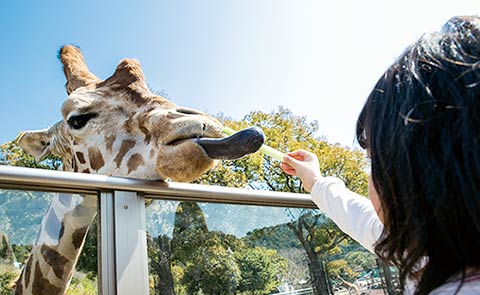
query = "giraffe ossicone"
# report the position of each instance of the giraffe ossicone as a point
(114, 127)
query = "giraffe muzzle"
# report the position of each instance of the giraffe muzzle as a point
(235, 146)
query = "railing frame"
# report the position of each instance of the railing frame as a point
(123, 265)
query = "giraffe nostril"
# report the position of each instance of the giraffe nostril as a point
(204, 126)
(188, 111)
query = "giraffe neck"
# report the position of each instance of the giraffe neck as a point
(50, 267)
(60, 240)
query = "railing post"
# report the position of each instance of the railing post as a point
(130, 244)
(106, 247)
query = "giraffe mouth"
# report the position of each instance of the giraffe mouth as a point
(181, 140)
(235, 146)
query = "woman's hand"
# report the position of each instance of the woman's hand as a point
(303, 164)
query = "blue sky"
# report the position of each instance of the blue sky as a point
(318, 58)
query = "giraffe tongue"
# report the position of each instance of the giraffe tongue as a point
(235, 146)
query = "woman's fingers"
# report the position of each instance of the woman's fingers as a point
(303, 164)
(287, 169)
(298, 154)
(290, 161)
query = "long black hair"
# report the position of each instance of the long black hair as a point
(421, 126)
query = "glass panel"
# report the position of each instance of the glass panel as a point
(42, 233)
(206, 248)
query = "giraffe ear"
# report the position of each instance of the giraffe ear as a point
(36, 143)
(75, 69)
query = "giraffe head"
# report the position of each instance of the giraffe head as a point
(118, 127)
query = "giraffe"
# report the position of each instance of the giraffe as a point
(114, 127)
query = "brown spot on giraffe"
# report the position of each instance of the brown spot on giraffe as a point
(135, 161)
(124, 148)
(41, 283)
(78, 236)
(54, 259)
(128, 126)
(109, 140)
(80, 211)
(152, 153)
(29, 267)
(27, 274)
(80, 157)
(96, 158)
(18, 288)
(141, 125)
(86, 171)
(62, 230)
(68, 150)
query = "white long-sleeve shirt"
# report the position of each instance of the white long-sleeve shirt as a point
(353, 213)
(356, 216)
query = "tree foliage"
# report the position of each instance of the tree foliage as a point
(12, 154)
(212, 269)
(365, 260)
(161, 272)
(83, 285)
(88, 262)
(274, 237)
(340, 269)
(212, 262)
(261, 269)
(285, 132)
(8, 276)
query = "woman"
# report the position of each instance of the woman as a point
(421, 129)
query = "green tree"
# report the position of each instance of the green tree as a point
(363, 259)
(22, 252)
(11, 154)
(88, 262)
(212, 262)
(8, 275)
(83, 285)
(341, 270)
(213, 270)
(160, 260)
(261, 270)
(275, 237)
(286, 132)
(320, 238)
(206, 257)
(189, 231)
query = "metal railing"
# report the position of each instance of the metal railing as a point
(78, 182)
(123, 253)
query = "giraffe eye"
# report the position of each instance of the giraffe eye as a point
(78, 121)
